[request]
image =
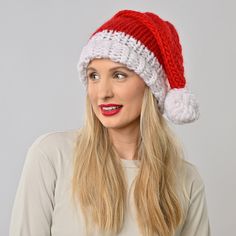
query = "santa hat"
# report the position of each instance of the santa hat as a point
(150, 46)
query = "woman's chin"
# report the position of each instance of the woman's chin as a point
(112, 124)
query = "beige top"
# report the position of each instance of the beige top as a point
(43, 207)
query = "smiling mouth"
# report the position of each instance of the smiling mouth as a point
(112, 110)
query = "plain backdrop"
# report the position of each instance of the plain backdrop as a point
(40, 43)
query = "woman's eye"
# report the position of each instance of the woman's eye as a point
(120, 75)
(91, 76)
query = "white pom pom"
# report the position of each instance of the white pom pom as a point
(181, 106)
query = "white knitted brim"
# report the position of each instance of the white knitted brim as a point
(125, 49)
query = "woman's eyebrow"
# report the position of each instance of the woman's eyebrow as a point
(111, 69)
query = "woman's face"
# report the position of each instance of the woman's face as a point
(113, 83)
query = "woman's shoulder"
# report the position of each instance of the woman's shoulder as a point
(55, 138)
(57, 146)
(193, 180)
(192, 174)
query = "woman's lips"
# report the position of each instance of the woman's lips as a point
(111, 112)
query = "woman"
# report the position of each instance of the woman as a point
(123, 172)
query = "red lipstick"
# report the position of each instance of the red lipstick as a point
(110, 109)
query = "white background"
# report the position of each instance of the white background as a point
(40, 43)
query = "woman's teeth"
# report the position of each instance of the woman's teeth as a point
(110, 108)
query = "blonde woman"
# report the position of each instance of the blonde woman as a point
(122, 173)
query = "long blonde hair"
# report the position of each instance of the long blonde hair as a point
(99, 185)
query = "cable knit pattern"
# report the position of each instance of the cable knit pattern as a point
(150, 46)
(124, 49)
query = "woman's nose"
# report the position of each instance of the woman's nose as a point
(105, 88)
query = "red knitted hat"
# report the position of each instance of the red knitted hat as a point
(151, 47)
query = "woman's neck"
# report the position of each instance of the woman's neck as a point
(125, 142)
